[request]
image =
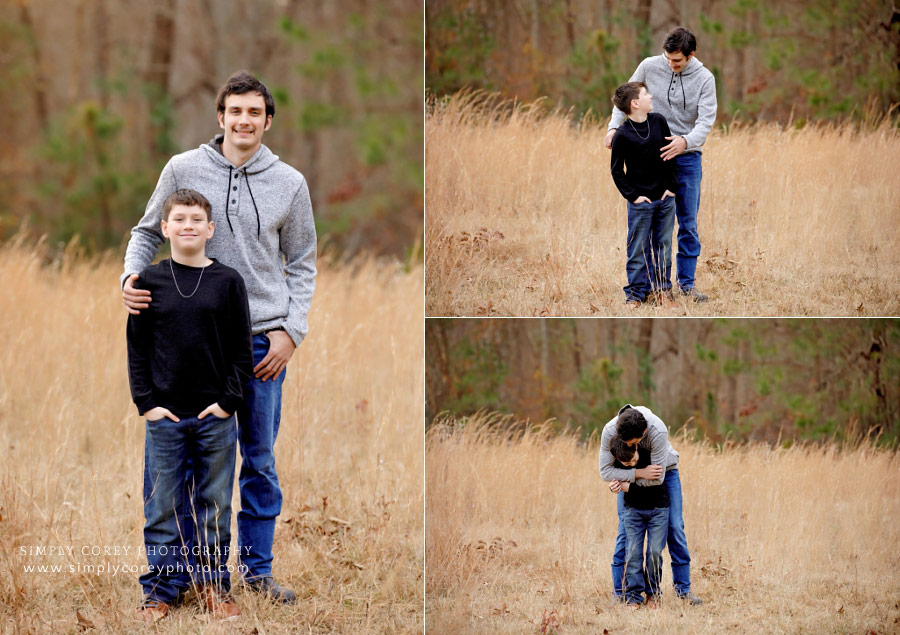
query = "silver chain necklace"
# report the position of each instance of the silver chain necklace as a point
(637, 133)
(172, 269)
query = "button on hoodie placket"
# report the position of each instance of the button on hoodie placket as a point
(235, 193)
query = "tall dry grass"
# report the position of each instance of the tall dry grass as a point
(523, 218)
(349, 454)
(520, 532)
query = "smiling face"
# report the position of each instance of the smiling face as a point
(188, 228)
(677, 60)
(244, 121)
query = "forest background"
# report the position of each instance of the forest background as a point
(773, 380)
(98, 94)
(813, 59)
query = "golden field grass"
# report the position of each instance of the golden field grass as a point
(523, 218)
(520, 532)
(349, 455)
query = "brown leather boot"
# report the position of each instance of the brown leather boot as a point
(219, 603)
(152, 611)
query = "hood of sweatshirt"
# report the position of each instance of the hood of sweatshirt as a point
(694, 66)
(261, 160)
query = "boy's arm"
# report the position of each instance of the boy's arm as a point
(138, 335)
(146, 236)
(298, 244)
(608, 471)
(659, 450)
(706, 115)
(617, 167)
(671, 167)
(240, 347)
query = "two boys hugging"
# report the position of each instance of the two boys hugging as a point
(648, 184)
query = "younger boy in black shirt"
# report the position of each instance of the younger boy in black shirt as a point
(648, 186)
(189, 358)
(646, 513)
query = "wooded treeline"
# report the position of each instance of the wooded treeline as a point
(771, 59)
(811, 379)
(98, 94)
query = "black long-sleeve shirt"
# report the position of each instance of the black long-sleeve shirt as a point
(651, 497)
(636, 146)
(185, 354)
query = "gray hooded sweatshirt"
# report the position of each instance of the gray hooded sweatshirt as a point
(656, 440)
(687, 99)
(264, 230)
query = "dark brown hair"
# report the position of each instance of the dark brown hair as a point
(190, 198)
(625, 93)
(241, 83)
(621, 451)
(680, 39)
(631, 425)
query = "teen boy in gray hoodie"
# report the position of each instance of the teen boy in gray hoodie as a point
(689, 107)
(266, 232)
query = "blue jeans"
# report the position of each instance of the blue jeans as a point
(690, 173)
(259, 419)
(170, 515)
(638, 577)
(676, 540)
(649, 249)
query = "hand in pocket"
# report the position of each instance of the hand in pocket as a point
(159, 413)
(215, 410)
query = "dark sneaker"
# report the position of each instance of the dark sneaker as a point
(219, 603)
(633, 304)
(268, 586)
(694, 295)
(183, 592)
(152, 611)
(691, 598)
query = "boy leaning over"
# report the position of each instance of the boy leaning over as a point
(189, 358)
(648, 185)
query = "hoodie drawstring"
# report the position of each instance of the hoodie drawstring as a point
(669, 92)
(258, 227)
(228, 200)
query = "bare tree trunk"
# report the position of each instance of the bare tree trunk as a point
(545, 350)
(875, 356)
(159, 72)
(535, 34)
(644, 366)
(101, 40)
(570, 25)
(576, 349)
(40, 80)
(439, 380)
